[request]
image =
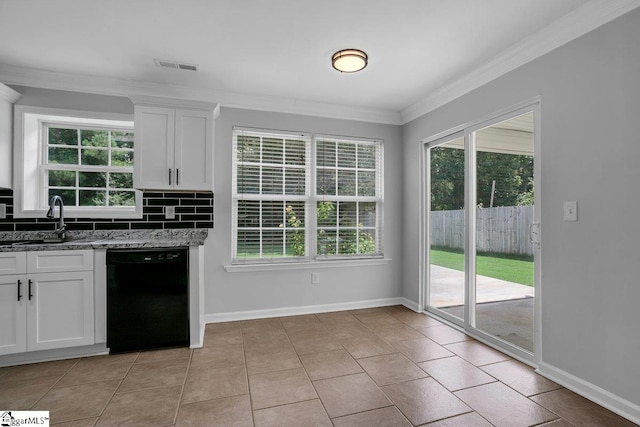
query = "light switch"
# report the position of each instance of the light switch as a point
(571, 211)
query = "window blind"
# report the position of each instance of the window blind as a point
(297, 198)
(271, 176)
(348, 198)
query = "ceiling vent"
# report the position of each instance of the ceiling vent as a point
(175, 65)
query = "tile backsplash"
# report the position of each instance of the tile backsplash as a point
(193, 210)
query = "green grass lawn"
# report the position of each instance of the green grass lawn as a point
(505, 267)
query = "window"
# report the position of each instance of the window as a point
(271, 195)
(89, 166)
(278, 215)
(348, 197)
(84, 158)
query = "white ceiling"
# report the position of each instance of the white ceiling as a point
(275, 54)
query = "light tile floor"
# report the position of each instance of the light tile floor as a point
(344, 368)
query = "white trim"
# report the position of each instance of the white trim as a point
(155, 101)
(312, 264)
(28, 121)
(310, 198)
(196, 296)
(307, 309)
(565, 29)
(468, 131)
(602, 397)
(119, 87)
(97, 349)
(8, 94)
(410, 305)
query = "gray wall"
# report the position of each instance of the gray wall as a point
(235, 292)
(590, 150)
(266, 290)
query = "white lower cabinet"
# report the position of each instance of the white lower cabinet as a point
(13, 314)
(50, 305)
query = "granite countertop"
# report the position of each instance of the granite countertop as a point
(111, 239)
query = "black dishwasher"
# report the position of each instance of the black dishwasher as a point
(147, 299)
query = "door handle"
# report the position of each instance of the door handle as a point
(30, 294)
(169, 176)
(177, 177)
(19, 294)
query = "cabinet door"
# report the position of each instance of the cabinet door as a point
(13, 316)
(59, 261)
(13, 262)
(194, 149)
(154, 130)
(60, 313)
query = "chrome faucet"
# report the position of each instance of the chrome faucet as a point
(50, 214)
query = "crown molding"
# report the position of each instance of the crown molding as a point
(8, 94)
(565, 29)
(569, 27)
(46, 79)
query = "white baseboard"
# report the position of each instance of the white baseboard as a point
(602, 397)
(410, 305)
(308, 309)
(55, 354)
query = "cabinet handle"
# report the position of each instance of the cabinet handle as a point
(30, 294)
(169, 176)
(177, 177)
(19, 294)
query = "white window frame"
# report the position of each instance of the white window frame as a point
(311, 198)
(237, 197)
(30, 198)
(378, 198)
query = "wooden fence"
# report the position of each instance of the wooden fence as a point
(501, 230)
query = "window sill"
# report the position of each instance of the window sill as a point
(240, 268)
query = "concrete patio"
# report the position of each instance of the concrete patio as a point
(504, 309)
(447, 288)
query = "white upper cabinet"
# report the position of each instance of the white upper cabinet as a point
(8, 97)
(173, 144)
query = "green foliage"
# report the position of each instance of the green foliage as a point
(99, 148)
(526, 198)
(348, 241)
(350, 238)
(447, 179)
(295, 238)
(513, 175)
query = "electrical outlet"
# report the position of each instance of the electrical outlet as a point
(170, 212)
(315, 278)
(3, 211)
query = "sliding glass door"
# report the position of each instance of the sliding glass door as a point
(481, 230)
(447, 243)
(504, 258)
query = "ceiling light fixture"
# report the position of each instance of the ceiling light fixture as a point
(349, 60)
